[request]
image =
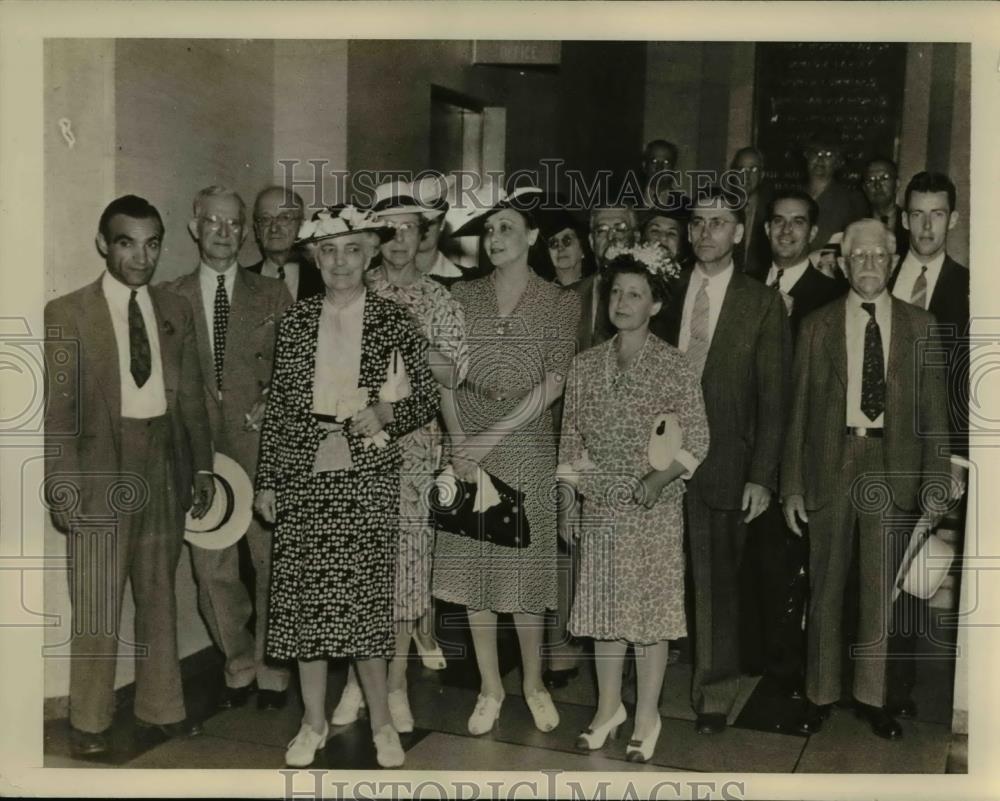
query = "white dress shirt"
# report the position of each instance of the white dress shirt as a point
(270, 269)
(338, 354)
(857, 320)
(716, 289)
(209, 280)
(790, 277)
(909, 272)
(149, 400)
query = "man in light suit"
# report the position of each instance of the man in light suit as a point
(735, 332)
(126, 420)
(277, 215)
(861, 443)
(236, 318)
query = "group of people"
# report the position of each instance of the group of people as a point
(641, 400)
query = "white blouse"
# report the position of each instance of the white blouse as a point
(338, 354)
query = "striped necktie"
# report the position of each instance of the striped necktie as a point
(697, 349)
(918, 297)
(776, 283)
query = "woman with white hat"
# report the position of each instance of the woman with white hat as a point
(439, 318)
(522, 337)
(328, 475)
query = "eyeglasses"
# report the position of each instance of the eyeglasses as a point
(861, 257)
(618, 228)
(878, 180)
(660, 162)
(714, 223)
(284, 219)
(404, 228)
(820, 154)
(564, 241)
(216, 223)
(753, 170)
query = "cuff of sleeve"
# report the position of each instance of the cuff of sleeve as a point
(689, 462)
(204, 472)
(961, 461)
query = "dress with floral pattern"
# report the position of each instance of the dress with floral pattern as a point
(441, 321)
(631, 581)
(510, 355)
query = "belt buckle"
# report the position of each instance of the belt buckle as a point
(859, 431)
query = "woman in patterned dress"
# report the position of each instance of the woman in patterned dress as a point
(328, 476)
(630, 589)
(521, 335)
(441, 321)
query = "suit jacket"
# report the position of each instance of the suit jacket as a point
(254, 313)
(745, 384)
(83, 401)
(753, 253)
(915, 408)
(812, 290)
(950, 305)
(310, 278)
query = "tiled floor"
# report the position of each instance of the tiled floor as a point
(758, 739)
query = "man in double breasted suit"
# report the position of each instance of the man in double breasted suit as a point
(236, 318)
(863, 439)
(125, 420)
(735, 333)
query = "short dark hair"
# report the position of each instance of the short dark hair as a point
(626, 264)
(795, 194)
(674, 152)
(730, 200)
(930, 182)
(131, 206)
(746, 149)
(883, 160)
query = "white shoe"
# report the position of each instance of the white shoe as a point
(593, 737)
(485, 715)
(388, 750)
(642, 750)
(399, 710)
(433, 658)
(302, 750)
(350, 707)
(543, 710)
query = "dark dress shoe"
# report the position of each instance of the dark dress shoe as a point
(906, 708)
(710, 723)
(557, 679)
(883, 724)
(233, 697)
(272, 699)
(89, 743)
(812, 718)
(182, 728)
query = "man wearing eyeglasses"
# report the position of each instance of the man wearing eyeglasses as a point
(839, 205)
(608, 226)
(236, 319)
(277, 215)
(879, 183)
(735, 333)
(860, 447)
(659, 165)
(752, 253)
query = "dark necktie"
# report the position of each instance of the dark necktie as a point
(140, 358)
(873, 368)
(918, 296)
(776, 283)
(220, 324)
(281, 273)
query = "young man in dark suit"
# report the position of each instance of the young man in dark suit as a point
(856, 458)
(277, 215)
(735, 333)
(126, 420)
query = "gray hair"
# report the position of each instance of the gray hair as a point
(633, 218)
(217, 191)
(869, 224)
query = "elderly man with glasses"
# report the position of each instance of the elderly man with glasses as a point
(277, 215)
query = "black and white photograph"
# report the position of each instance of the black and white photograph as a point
(498, 400)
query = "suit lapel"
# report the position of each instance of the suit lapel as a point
(244, 299)
(730, 326)
(835, 337)
(103, 352)
(897, 350)
(190, 287)
(169, 356)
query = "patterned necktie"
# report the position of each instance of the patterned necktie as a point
(918, 297)
(697, 350)
(140, 358)
(220, 323)
(776, 283)
(873, 368)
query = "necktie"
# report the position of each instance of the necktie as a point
(776, 283)
(140, 358)
(281, 272)
(918, 297)
(697, 350)
(220, 323)
(872, 368)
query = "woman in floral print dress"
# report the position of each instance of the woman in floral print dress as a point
(630, 588)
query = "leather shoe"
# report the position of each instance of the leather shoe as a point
(883, 724)
(812, 718)
(710, 723)
(557, 679)
(182, 728)
(907, 708)
(233, 697)
(89, 743)
(272, 699)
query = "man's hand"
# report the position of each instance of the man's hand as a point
(265, 504)
(795, 506)
(202, 494)
(756, 499)
(255, 417)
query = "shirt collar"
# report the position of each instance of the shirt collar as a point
(289, 263)
(882, 303)
(118, 292)
(209, 273)
(933, 266)
(793, 272)
(713, 280)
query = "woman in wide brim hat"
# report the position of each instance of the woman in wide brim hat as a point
(328, 475)
(522, 335)
(439, 318)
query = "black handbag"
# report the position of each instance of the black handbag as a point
(504, 524)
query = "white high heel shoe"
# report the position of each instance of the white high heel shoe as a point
(642, 750)
(486, 714)
(433, 658)
(399, 711)
(388, 750)
(593, 737)
(542, 710)
(350, 707)
(302, 749)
